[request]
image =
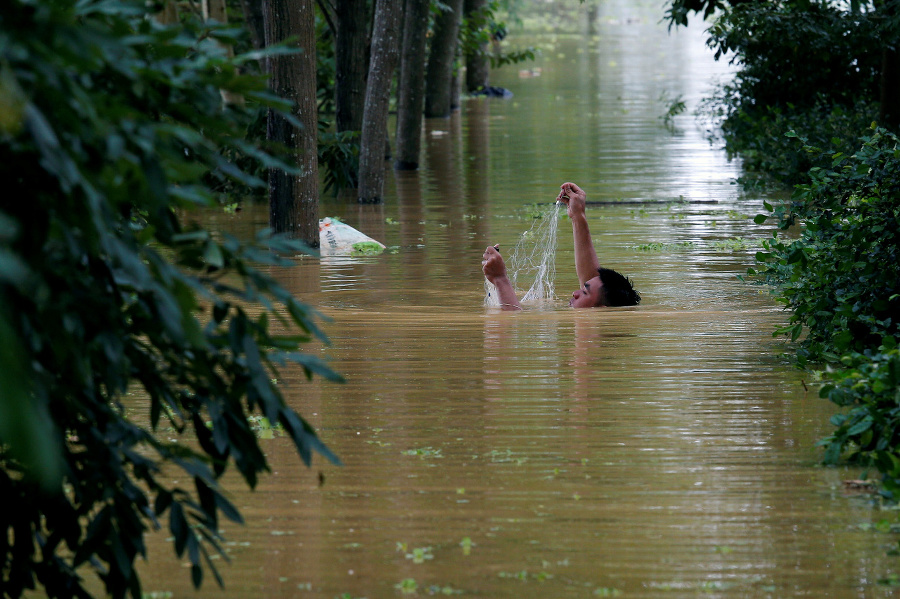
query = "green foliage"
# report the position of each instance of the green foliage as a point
(791, 55)
(674, 107)
(868, 432)
(338, 151)
(407, 586)
(479, 28)
(326, 66)
(679, 10)
(841, 278)
(809, 67)
(420, 554)
(664, 247)
(367, 248)
(116, 318)
(339, 158)
(759, 138)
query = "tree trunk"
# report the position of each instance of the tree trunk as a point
(351, 64)
(440, 61)
(294, 199)
(477, 66)
(890, 90)
(455, 91)
(593, 14)
(412, 84)
(214, 10)
(378, 88)
(253, 16)
(889, 116)
(169, 13)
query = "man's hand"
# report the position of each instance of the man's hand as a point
(495, 271)
(492, 264)
(573, 197)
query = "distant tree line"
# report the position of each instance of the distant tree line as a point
(364, 57)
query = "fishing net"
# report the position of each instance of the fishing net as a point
(532, 263)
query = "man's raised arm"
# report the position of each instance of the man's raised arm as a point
(586, 261)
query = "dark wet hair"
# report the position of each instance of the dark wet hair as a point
(617, 289)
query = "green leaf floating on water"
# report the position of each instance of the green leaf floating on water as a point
(367, 248)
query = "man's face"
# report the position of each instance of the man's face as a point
(588, 296)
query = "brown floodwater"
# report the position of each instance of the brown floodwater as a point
(662, 451)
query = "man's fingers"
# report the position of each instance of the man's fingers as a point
(570, 188)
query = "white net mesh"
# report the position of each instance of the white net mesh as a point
(532, 261)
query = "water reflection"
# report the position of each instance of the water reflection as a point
(659, 451)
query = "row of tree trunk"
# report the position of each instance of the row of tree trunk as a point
(294, 198)
(366, 60)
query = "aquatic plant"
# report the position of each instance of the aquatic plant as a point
(367, 248)
(420, 555)
(664, 247)
(466, 545)
(262, 427)
(735, 244)
(424, 452)
(437, 589)
(407, 586)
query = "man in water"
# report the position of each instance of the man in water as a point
(599, 286)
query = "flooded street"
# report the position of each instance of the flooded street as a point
(661, 451)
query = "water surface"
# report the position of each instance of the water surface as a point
(661, 451)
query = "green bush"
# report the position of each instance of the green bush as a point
(759, 136)
(117, 319)
(841, 277)
(796, 53)
(868, 432)
(813, 68)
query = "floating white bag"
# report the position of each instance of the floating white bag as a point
(339, 239)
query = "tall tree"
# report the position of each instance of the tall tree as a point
(253, 17)
(294, 199)
(215, 10)
(438, 76)
(169, 13)
(383, 60)
(351, 63)
(412, 84)
(477, 63)
(889, 116)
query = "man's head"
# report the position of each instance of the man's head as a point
(609, 288)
